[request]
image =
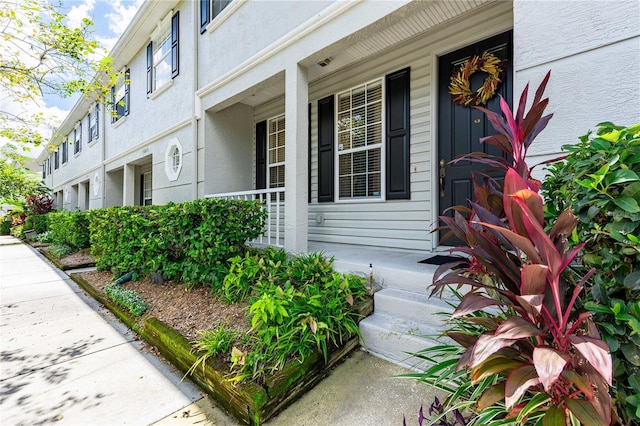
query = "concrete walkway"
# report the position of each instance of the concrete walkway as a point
(66, 360)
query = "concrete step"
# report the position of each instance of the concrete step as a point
(415, 307)
(394, 339)
(416, 277)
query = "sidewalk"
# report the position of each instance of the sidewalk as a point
(66, 360)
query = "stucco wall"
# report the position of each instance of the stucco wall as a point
(592, 49)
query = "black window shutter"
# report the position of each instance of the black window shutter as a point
(205, 15)
(325, 149)
(309, 154)
(127, 76)
(149, 67)
(114, 107)
(397, 121)
(261, 155)
(175, 29)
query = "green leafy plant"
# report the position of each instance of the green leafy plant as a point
(45, 237)
(252, 271)
(598, 179)
(290, 319)
(127, 298)
(189, 242)
(210, 343)
(60, 250)
(71, 228)
(546, 357)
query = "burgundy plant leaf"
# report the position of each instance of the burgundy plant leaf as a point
(523, 243)
(464, 360)
(490, 323)
(473, 302)
(420, 417)
(520, 379)
(516, 132)
(499, 141)
(534, 202)
(564, 225)
(580, 382)
(487, 345)
(539, 127)
(494, 365)
(534, 120)
(499, 124)
(463, 339)
(517, 328)
(482, 158)
(522, 105)
(543, 244)
(596, 352)
(549, 364)
(533, 279)
(541, 87)
(532, 303)
(490, 396)
(584, 411)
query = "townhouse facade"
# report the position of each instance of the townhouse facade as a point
(337, 114)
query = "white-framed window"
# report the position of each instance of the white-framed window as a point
(92, 121)
(56, 159)
(163, 54)
(65, 150)
(209, 9)
(77, 139)
(120, 97)
(359, 139)
(275, 152)
(146, 189)
(161, 43)
(173, 159)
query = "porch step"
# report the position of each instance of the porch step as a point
(394, 339)
(414, 307)
(416, 277)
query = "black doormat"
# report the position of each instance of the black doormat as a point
(439, 260)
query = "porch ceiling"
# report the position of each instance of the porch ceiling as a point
(416, 18)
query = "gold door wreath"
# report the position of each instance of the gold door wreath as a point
(460, 87)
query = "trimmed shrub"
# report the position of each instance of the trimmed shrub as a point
(190, 241)
(70, 228)
(39, 223)
(5, 225)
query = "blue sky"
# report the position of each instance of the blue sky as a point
(110, 19)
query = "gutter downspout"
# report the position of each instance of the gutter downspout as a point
(196, 100)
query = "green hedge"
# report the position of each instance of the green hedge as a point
(39, 223)
(71, 228)
(190, 242)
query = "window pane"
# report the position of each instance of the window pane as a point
(345, 186)
(344, 141)
(358, 118)
(345, 164)
(374, 113)
(359, 185)
(374, 91)
(344, 121)
(374, 134)
(344, 102)
(359, 137)
(358, 97)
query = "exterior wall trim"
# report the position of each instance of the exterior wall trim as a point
(311, 25)
(184, 123)
(224, 15)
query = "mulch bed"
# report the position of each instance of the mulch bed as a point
(186, 311)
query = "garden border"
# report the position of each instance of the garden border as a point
(56, 261)
(247, 402)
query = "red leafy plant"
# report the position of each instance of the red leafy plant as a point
(545, 354)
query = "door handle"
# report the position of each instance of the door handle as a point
(442, 174)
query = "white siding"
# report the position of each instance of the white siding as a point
(404, 224)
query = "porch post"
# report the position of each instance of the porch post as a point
(129, 185)
(296, 153)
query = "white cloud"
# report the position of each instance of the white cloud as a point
(122, 15)
(79, 12)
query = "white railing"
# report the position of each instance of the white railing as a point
(272, 201)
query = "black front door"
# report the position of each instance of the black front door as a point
(461, 127)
